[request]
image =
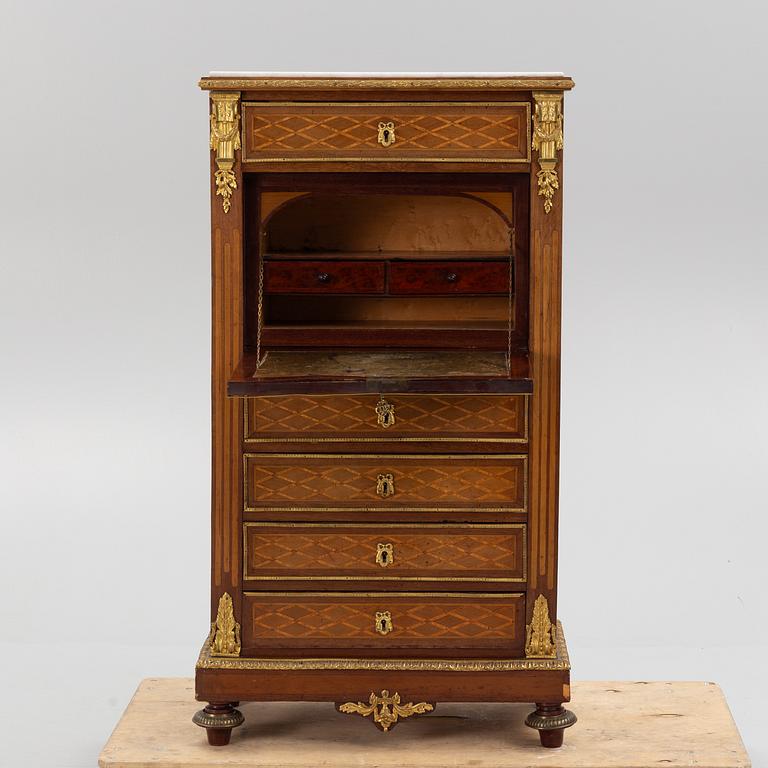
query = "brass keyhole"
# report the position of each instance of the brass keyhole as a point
(385, 413)
(385, 485)
(385, 554)
(386, 135)
(383, 622)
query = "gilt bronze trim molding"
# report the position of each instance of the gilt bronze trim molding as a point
(540, 634)
(224, 639)
(559, 663)
(225, 139)
(386, 709)
(547, 140)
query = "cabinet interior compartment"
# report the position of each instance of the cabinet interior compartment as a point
(422, 261)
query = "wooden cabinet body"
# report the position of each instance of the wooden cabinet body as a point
(386, 375)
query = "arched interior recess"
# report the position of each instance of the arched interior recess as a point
(333, 223)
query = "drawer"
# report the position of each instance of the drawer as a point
(380, 552)
(450, 131)
(324, 277)
(365, 418)
(380, 620)
(449, 277)
(384, 482)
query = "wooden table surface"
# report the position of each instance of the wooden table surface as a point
(621, 725)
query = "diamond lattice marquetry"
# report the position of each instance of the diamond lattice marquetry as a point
(438, 415)
(322, 130)
(416, 552)
(417, 480)
(411, 620)
(432, 132)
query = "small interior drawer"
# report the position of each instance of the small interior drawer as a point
(324, 277)
(449, 277)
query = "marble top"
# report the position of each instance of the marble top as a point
(449, 75)
(350, 81)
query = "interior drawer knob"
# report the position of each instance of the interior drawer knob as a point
(385, 485)
(323, 277)
(383, 622)
(385, 413)
(451, 277)
(385, 554)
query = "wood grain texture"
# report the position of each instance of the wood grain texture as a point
(544, 348)
(339, 620)
(440, 552)
(330, 277)
(391, 371)
(417, 416)
(226, 417)
(448, 277)
(671, 724)
(273, 480)
(312, 590)
(350, 131)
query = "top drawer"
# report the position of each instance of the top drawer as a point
(496, 132)
(387, 417)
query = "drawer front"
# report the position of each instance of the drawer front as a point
(336, 620)
(394, 482)
(448, 277)
(387, 417)
(380, 552)
(324, 277)
(453, 131)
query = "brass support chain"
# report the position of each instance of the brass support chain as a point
(509, 294)
(260, 306)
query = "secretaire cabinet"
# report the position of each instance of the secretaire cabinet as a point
(385, 389)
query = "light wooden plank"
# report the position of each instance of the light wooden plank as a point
(621, 725)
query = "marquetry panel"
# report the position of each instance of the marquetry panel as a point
(426, 417)
(274, 480)
(304, 551)
(427, 620)
(495, 132)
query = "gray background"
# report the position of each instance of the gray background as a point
(104, 311)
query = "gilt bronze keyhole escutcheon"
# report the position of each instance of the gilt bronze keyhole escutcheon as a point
(384, 622)
(385, 413)
(385, 554)
(385, 485)
(386, 133)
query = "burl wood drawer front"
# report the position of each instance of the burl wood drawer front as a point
(450, 131)
(380, 552)
(324, 277)
(337, 620)
(448, 277)
(378, 483)
(366, 418)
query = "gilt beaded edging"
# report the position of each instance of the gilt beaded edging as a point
(560, 663)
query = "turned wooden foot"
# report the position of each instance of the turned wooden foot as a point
(550, 720)
(218, 719)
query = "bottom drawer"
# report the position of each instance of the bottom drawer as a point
(331, 621)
